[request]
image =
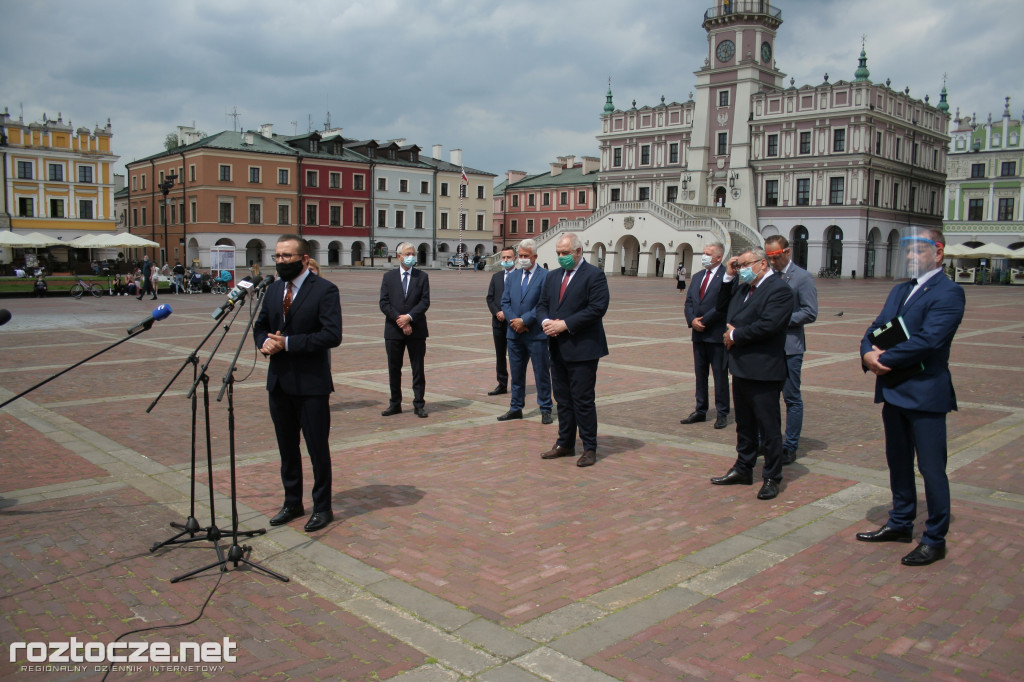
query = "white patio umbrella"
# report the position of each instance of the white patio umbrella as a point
(957, 251)
(126, 240)
(24, 241)
(84, 241)
(991, 251)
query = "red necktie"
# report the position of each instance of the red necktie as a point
(565, 283)
(704, 284)
(288, 298)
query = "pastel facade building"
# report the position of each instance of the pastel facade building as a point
(57, 180)
(984, 200)
(836, 167)
(472, 200)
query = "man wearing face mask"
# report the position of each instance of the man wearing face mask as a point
(498, 324)
(571, 308)
(404, 299)
(757, 306)
(708, 325)
(298, 324)
(527, 341)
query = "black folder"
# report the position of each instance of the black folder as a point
(887, 336)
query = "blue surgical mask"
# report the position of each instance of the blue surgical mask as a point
(747, 275)
(508, 264)
(409, 261)
(705, 261)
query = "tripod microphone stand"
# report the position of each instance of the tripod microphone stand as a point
(236, 553)
(191, 526)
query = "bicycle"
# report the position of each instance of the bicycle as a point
(81, 287)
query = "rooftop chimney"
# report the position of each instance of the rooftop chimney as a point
(267, 130)
(591, 164)
(435, 152)
(456, 157)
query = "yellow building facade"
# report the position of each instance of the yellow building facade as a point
(57, 180)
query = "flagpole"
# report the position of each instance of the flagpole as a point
(463, 182)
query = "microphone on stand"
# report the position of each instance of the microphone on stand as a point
(263, 284)
(236, 295)
(161, 312)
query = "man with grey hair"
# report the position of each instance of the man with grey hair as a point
(708, 325)
(757, 307)
(527, 342)
(570, 310)
(404, 299)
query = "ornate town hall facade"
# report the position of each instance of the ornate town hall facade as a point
(836, 167)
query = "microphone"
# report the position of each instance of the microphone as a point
(5, 316)
(160, 312)
(234, 296)
(264, 283)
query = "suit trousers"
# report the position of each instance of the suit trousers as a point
(310, 415)
(757, 412)
(520, 352)
(711, 356)
(500, 354)
(794, 402)
(907, 432)
(396, 349)
(574, 385)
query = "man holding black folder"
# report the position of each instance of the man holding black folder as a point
(910, 359)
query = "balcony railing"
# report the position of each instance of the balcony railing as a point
(744, 7)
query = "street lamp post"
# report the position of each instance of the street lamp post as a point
(165, 188)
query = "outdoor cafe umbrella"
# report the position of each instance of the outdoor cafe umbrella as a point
(957, 251)
(994, 251)
(125, 240)
(25, 241)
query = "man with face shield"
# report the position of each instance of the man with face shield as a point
(913, 383)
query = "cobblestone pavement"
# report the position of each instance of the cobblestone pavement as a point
(456, 552)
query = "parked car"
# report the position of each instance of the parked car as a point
(453, 261)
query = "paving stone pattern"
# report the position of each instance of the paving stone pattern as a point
(456, 552)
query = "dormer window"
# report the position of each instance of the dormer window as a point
(415, 157)
(314, 146)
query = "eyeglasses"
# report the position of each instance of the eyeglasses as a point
(284, 256)
(747, 265)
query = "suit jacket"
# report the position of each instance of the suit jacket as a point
(584, 304)
(714, 321)
(518, 303)
(932, 317)
(805, 306)
(494, 291)
(394, 302)
(760, 335)
(313, 327)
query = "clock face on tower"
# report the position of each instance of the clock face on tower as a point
(766, 52)
(726, 50)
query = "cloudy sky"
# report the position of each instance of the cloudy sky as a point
(514, 84)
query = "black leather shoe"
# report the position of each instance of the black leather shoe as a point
(498, 390)
(420, 412)
(392, 409)
(558, 451)
(924, 555)
(587, 459)
(886, 534)
(693, 418)
(788, 457)
(287, 514)
(318, 520)
(721, 421)
(511, 414)
(545, 418)
(733, 477)
(769, 490)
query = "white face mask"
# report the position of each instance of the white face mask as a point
(409, 261)
(706, 260)
(525, 263)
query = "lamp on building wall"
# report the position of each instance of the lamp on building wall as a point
(733, 176)
(687, 179)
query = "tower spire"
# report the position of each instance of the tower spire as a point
(608, 106)
(862, 73)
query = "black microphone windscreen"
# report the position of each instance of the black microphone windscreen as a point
(5, 316)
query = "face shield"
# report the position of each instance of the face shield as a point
(918, 253)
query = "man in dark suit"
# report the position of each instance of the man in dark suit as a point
(404, 299)
(527, 341)
(708, 325)
(914, 410)
(571, 307)
(757, 307)
(499, 326)
(805, 311)
(298, 324)
(147, 279)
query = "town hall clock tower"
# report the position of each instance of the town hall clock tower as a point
(739, 63)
